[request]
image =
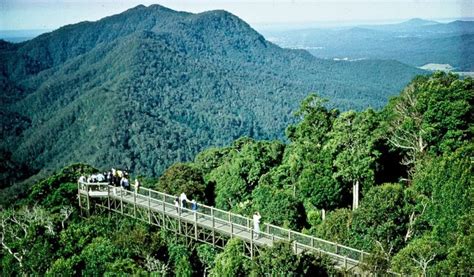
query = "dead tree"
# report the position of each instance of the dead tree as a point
(406, 130)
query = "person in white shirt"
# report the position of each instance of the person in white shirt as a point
(137, 185)
(256, 224)
(183, 199)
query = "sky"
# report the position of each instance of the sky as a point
(52, 14)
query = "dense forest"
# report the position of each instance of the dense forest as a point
(152, 86)
(412, 160)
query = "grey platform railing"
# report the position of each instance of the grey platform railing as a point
(232, 224)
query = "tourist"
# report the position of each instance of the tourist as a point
(137, 185)
(183, 200)
(256, 224)
(110, 178)
(124, 183)
(99, 177)
(176, 204)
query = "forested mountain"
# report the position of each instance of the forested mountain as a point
(416, 42)
(412, 159)
(152, 86)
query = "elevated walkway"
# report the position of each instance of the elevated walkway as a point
(208, 224)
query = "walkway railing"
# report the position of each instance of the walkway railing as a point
(235, 225)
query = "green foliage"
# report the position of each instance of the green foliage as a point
(460, 260)
(68, 98)
(307, 164)
(10, 171)
(97, 255)
(210, 159)
(378, 262)
(316, 121)
(381, 218)
(64, 266)
(61, 188)
(278, 207)
(207, 256)
(123, 266)
(78, 235)
(231, 188)
(433, 114)
(447, 104)
(180, 257)
(136, 236)
(9, 266)
(447, 180)
(317, 185)
(352, 142)
(40, 255)
(239, 174)
(336, 227)
(27, 235)
(415, 258)
(402, 226)
(231, 261)
(280, 260)
(185, 178)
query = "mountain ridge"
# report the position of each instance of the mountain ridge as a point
(144, 89)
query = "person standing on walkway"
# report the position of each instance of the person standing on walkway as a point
(137, 185)
(125, 184)
(183, 199)
(176, 204)
(194, 205)
(256, 224)
(110, 178)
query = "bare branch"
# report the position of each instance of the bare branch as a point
(4, 227)
(66, 213)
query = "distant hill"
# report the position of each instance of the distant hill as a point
(418, 22)
(152, 86)
(416, 42)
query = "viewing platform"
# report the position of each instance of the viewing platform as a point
(208, 224)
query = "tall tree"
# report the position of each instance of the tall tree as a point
(306, 163)
(381, 221)
(184, 177)
(352, 141)
(240, 173)
(431, 114)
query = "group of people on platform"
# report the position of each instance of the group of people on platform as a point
(182, 202)
(116, 178)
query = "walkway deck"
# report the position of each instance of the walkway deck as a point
(208, 224)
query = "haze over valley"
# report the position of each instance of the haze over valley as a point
(416, 42)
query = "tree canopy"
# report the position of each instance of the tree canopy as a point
(419, 223)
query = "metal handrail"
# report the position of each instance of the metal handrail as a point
(241, 223)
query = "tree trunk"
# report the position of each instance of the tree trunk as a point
(355, 195)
